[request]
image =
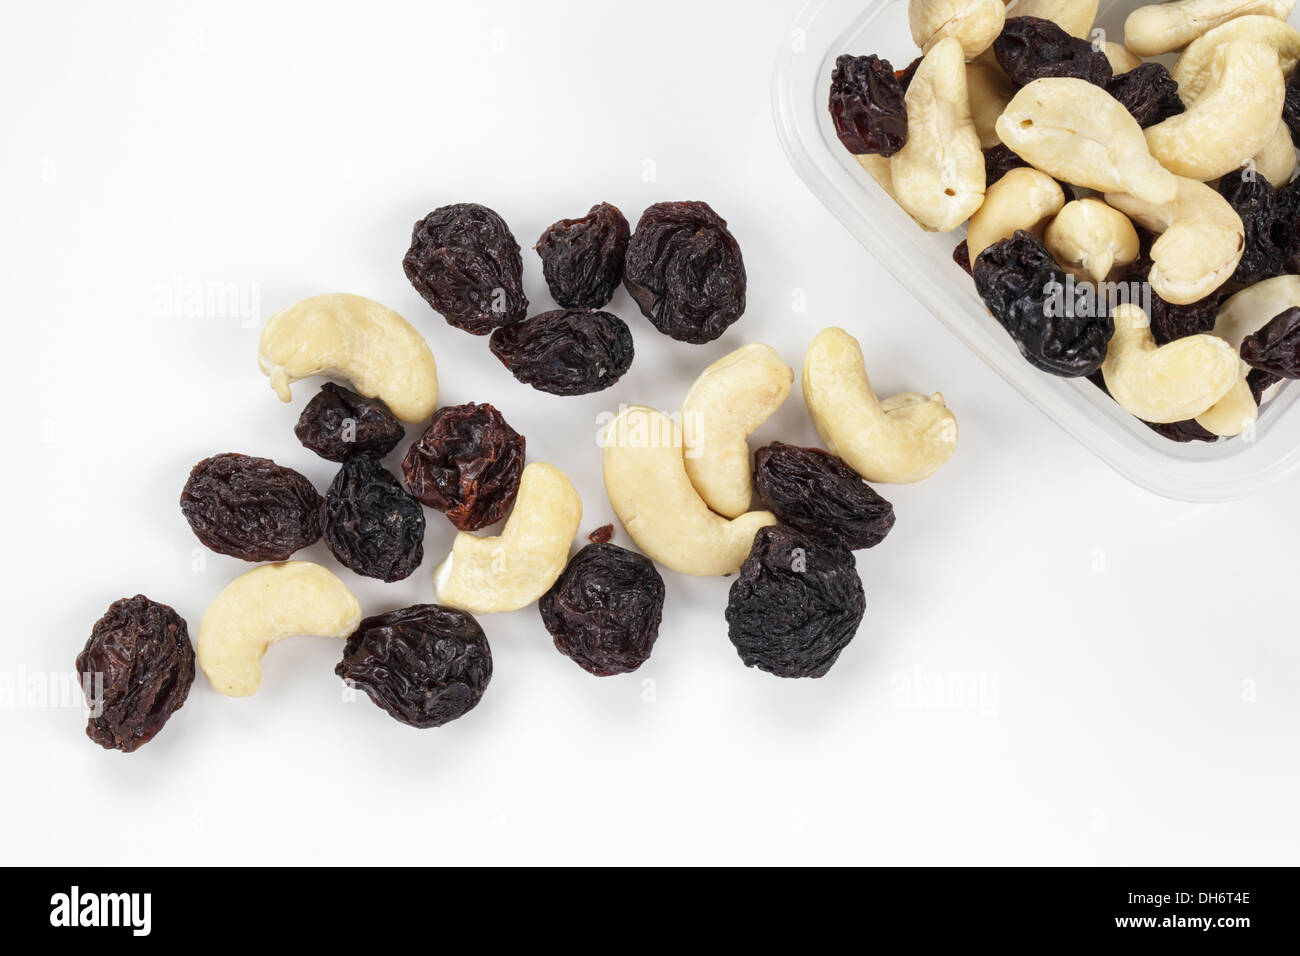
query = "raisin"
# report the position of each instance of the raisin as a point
(582, 259)
(467, 465)
(338, 424)
(1181, 432)
(1057, 330)
(1291, 105)
(1251, 196)
(1260, 382)
(1170, 322)
(251, 508)
(815, 492)
(998, 161)
(905, 75)
(796, 603)
(603, 611)
(1030, 48)
(867, 105)
(565, 352)
(685, 271)
(1148, 92)
(961, 256)
(425, 664)
(1286, 225)
(602, 534)
(1275, 348)
(465, 263)
(136, 670)
(370, 523)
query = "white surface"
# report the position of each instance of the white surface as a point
(1134, 660)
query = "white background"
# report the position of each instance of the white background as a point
(1133, 661)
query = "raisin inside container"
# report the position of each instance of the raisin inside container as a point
(922, 262)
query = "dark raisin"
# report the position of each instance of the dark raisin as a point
(602, 534)
(1260, 382)
(370, 523)
(814, 492)
(1275, 348)
(1148, 92)
(1181, 432)
(467, 465)
(1030, 48)
(604, 609)
(1286, 225)
(465, 263)
(1252, 197)
(251, 508)
(867, 105)
(685, 271)
(796, 603)
(582, 259)
(338, 424)
(136, 671)
(565, 352)
(426, 664)
(1170, 322)
(1291, 105)
(1060, 327)
(961, 256)
(998, 161)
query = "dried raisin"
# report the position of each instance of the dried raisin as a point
(1291, 105)
(338, 424)
(961, 256)
(815, 492)
(602, 534)
(1251, 197)
(1148, 92)
(1260, 382)
(1170, 322)
(251, 508)
(867, 105)
(582, 259)
(566, 352)
(370, 523)
(1275, 348)
(998, 161)
(1030, 48)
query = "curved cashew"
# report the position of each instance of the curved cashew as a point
(938, 176)
(990, 91)
(1089, 238)
(1022, 199)
(1121, 58)
(1254, 307)
(354, 338)
(1075, 17)
(1194, 71)
(1165, 27)
(1172, 383)
(902, 439)
(973, 23)
(645, 477)
(730, 399)
(1232, 414)
(1079, 133)
(1276, 162)
(878, 168)
(515, 568)
(262, 606)
(1201, 240)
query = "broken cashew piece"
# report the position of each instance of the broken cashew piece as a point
(1075, 17)
(729, 400)
(645, 477)
(265, 605)
(353, 338)
(1201, 240)
(1194, 71)
(989, 91)
(902, 439)
(1120, 57)
(1022, 199)
(1254, 307)
(1276, 162)
(1165, 27)
(1234, 413)
(1090, 238)
(515, 568)
(1077, 132)
(973, 23)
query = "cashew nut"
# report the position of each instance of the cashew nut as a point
(902, 439)
(1276, 162)
(1077, 132)
(354, 338)
(1195, 68)
(1022, 199)
(1254, 307)
(973, 23)
(1234, 413)
(1200, 244)
(515, 568)
(1121, 58)
(990, 91)
(1075, 17)
(1165, 27)
(730, 399)
(1172, 383)
(878, 168)
(1089, 238)
(645, 477)
(938, 176)
(265, 605)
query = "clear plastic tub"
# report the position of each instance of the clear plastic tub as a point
(922, 261)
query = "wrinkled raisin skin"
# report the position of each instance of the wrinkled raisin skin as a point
(465, 263)
(1251, 196)
(603, 611)
(1000, 160)
(1291, 105)
(1148, 92)
(685, 271)
(961, 256)
(426, 664)
(251, 508)
(339, 424)
(1260, 382)
(467, 465)
(370, 523)
(1030, 48)
(141, 652)
(1275, 349)
(815, 492)
(582, 259)
(566, 352)
(866, 105)
(1170, 322)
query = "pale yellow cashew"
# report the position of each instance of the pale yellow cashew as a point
(1234, 413)
(1089, 238)
(1164, 27)
(1254, 307)
(1120, 57)
(1075, 17)
(1195, 69)
(1022, 199)
(990, 91)
(1276, 162)
(878, 168)
(973, 23)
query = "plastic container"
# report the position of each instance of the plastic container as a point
(922, 262)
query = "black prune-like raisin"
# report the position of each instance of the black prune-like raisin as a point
(465, 263)
(426, 664)
(136, 671)
(815, 492)
(1275, 348)
(467, 465)
(1030, 48)
(1252, 197)
(685, 271)
(1260, 382)
(961, 256)
(582, 259)
(1291, 105)
(338, 424)
(251, 508)
(867, 105)
(602, 534)
(567, 351)
(796, 603)
(1170, 322)
(1060, 327)
(604, 609)
(1148, 92)
(998, 161)
(370, 523)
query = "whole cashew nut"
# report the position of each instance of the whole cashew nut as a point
(1120, 57)
(1276, 162)
(878, 168)
(973, 23)
(1089, 238)
(729, 400)
(1194, 71)
(1254, 307)
(645, 477)
(515, 568)
(1164, 27)
(1077, 132)
(1022, 199)
(265, 605)
(1075, 17)
(1234, 413)
(902, 439)
(990, 91)
(354, 338)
